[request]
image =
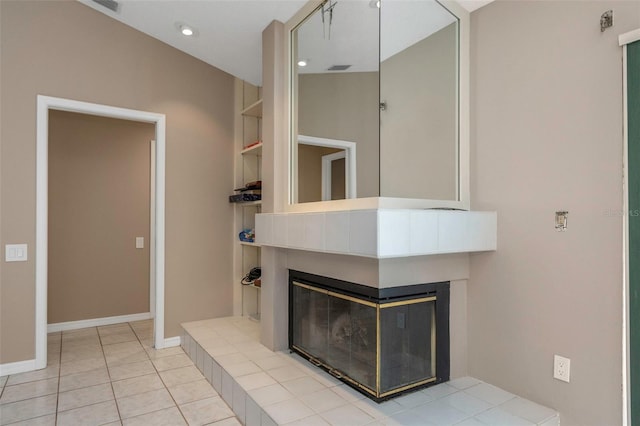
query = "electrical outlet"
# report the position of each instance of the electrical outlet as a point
(561, 368)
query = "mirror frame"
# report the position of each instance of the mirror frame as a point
(463, 203)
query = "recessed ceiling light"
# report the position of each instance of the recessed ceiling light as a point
(186, 30)
(303, 62)
(374, 3)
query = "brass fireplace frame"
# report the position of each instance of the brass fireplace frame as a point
(378, 305)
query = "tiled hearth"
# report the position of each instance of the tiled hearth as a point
(278, 388)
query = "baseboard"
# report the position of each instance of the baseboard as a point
(97, 322)
(17, 367)
(172, 341)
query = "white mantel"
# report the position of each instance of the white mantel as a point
(380, 233)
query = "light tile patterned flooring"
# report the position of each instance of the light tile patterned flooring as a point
(112, 376)
(269, 388)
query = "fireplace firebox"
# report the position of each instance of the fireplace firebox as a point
(382, 342)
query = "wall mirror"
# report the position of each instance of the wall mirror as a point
(383, 77)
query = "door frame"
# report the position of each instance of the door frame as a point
(624, 40)
(327, 161)
(350, 159)
(44, 104)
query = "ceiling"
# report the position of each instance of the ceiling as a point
(351, 37)
(228, 32)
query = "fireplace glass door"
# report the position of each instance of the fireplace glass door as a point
(407, 354)
(381, 348)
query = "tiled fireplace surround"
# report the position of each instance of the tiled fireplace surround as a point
(249, 364)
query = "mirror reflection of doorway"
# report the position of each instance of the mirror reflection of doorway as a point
(326, 169)
(334, 177)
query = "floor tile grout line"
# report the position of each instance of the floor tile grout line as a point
(161, 380)
(111, 381)
(165, 385)
(4, 386)
(178, 405)
(115, 401)
(84, 406)
(55, 415)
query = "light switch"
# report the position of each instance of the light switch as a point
(139, 242)
(15, 253)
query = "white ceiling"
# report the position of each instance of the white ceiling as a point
(229, 32)
(352, 38)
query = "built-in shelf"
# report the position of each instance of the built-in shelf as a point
(253, 150)
(252, 286)
(248, 160)
(249, 203)
(253, 110)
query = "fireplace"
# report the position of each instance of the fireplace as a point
(381, 341)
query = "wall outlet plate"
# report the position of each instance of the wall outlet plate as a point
(561, 368)
(561, 220)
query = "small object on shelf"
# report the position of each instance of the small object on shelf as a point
(252, 276)
(244, 197)
(251, 191)
(252, 150)
(247, 235)
(250, 185)
(258, 142)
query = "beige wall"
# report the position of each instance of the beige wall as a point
(344, 106)
(310, 172)
(99, 186)
(547, 136)
(68, 50)
(418, 155)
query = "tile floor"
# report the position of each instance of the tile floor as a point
(111, 376)
(266, 388)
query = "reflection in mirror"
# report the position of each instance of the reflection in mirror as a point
(383, 76)
(337, 90)
(419, 91)
(325, 169)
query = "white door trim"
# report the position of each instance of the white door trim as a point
(629, 37)
(44, 104)
(327, 161)
(152, 231)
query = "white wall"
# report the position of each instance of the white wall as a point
(546, 136)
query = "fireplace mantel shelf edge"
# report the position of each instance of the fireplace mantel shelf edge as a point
(380, 233)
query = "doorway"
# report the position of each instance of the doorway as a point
(334, 176)
(318, 161)
(45, 105)
(99, 233)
